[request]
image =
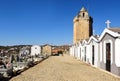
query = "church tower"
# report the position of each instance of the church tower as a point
(82, 26)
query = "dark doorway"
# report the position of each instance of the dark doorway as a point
(85, 53)
(108, 57)
(93, 49)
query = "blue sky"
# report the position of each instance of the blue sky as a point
(51, 21)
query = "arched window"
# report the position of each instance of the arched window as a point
(83, 14)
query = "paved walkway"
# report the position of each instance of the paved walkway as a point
(64, 68)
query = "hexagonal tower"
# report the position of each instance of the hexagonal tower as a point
(82, 26)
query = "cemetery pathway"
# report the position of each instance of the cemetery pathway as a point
(64, 68)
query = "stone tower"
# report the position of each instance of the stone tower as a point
(82, 26)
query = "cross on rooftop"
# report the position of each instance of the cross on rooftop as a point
(108, 23)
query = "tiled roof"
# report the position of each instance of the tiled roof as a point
(115, 29)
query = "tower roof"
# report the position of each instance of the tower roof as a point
(83, 9)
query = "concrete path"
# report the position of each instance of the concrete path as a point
(63, 68)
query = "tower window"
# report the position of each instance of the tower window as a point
(83, 14)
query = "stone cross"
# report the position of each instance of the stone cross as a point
(108, 23)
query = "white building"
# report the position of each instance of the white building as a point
(76, 51)
(84, 51)
(94, 52)
(35, 50)
(79, 50)
(24, 51)
(109, 50)
(102, 52)
(72, 50)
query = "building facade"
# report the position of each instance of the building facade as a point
(109, 50)
(101, 51)
(35, 50)
(94, 51)
(82, 26)
(47, 49)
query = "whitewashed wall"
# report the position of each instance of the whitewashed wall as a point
(73, 51)
(87, 53)
(70, 51)
(35, 50)
(107, 36)
(79, 51)
(96, 53)
(117, 52)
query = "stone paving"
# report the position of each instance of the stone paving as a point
(64, 68)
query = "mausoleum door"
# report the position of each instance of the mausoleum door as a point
(93, 55)
(108, 57)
